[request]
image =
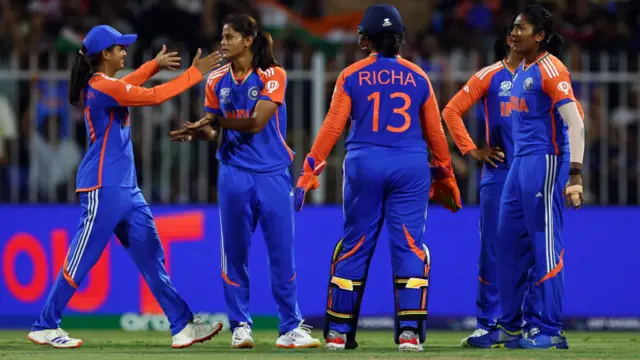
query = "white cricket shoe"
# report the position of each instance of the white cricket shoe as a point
(475, 334)
(195, 332)
(409, 341)
(241, 338)
(56, 338)
(298, 338)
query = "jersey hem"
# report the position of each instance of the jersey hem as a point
(276, 171)
(83, 190)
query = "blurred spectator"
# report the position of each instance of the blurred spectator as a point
(8, 135)
(453, 40)
(578, 24)
(55, 154)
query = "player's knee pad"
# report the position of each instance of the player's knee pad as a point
(344, 300)
(411, 301)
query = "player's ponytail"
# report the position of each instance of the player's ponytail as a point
(387, 44)
(554, 44)
(500, 49)
(262, 46)
(263, 57)
(81, 71)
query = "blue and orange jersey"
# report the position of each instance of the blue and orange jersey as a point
(539, 89)
(230, 97)
(108, 161)
(492, 86)
(390, 104)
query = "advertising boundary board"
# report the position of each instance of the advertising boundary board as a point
(600, 265)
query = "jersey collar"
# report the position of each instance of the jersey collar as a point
(540, 57)
(240, 81)
(506, 66)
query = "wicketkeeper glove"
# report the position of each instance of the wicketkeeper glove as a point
(444, 188)
(308, 179)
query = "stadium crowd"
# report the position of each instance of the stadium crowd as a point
(599, 31)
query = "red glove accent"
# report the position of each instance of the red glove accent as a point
(446, 193)
(444, 188)
(308, 179)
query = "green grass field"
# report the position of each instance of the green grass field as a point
(122, 345)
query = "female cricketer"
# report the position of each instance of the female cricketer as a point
(492, 85)
(246, 98)
(112, 202)
(548, 136)
(394, 120)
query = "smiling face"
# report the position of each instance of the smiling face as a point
(115, 57)
(523, 37)
(233, 43)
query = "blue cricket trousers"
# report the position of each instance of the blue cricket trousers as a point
(529, 230)
(381, 185)
(246, 199)
(125, 213)
(487, 299)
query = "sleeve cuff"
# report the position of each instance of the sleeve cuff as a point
(562, 102)
(267, 98)
(155, 66)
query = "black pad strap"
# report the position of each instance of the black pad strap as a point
(408, 315)
(340, 318)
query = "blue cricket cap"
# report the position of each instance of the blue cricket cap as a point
(103, 36)
(379, 18)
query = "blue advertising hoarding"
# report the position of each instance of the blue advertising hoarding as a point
(602, 277)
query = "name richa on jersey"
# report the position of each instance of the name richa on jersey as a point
(386, 77)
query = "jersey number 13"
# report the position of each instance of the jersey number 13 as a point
(399, 110)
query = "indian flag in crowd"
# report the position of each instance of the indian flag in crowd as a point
(325, 33)
(69, 40)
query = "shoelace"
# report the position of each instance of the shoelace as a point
(198, 321)
(302, 328)
(62, 333)
(243, 327)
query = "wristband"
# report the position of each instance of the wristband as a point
(575, 171)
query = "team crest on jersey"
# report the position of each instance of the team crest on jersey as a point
(528, 83)
(253, 93)
(505, 88)
(224, 95)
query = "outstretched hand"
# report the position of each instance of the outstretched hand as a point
(168, 61)
(180, 136)
(189, 126)
(207, 63)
